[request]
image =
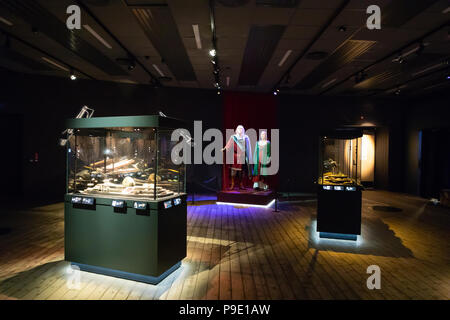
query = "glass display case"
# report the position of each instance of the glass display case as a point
(339, 184)
(124, 162)
(125, 211)
(340, 159)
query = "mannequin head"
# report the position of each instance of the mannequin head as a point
(240, 131)
(263, 135)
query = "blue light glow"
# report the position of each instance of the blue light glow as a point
(247, 205)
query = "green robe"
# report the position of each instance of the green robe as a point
(265, 161)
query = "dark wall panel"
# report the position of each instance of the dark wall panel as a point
(382, 158)
(45, 102)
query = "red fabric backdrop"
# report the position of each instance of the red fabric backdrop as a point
(253, 111)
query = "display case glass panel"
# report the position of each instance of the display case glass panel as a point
(340, 161)
(124, 163)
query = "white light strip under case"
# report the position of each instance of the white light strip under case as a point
(97, 36)
(247, 205)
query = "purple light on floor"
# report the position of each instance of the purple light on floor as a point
(201, 197)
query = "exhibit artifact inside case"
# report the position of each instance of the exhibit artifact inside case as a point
(339, 184)
(125, 207)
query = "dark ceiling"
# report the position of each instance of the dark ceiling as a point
(298, 46)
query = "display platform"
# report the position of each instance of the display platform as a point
(246, 196)
(125, 208)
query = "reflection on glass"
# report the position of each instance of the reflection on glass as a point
(340, 162)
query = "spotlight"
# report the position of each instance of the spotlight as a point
(278, 90)
(448, 77)
(73, 77)
(397, 92)
(216, 71)
(212, 52)
(213, 61)
(399, 58)
(342, 29)
(218, 92)
(275, 93)
(132, 65)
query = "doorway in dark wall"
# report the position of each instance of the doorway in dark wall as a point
(434, 162)
(11, 157)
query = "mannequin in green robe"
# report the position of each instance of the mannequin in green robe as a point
(261, 162)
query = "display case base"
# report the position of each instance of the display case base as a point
(339, 211)
(127, 275)
(339, 236)
(246, 197)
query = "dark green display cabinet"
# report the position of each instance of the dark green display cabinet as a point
(125, 208)
(339, 188)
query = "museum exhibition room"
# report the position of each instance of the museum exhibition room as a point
(225, 150)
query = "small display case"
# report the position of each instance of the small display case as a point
(120, 216)
(339, 184)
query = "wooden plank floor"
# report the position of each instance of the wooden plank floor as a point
(249, 253)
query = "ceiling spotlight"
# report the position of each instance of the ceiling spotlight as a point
(400, 58)
(218, 92)
(360, 77)
(212, 52)
(448, 77)
(7, 44)
(216, 71)
(397, 92)
(342, 29)
(278, 90)
(275, 93)
(73, 77)
(132, 65)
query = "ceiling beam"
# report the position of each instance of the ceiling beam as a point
(129, 53)
(11, 36)
(322, 30)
